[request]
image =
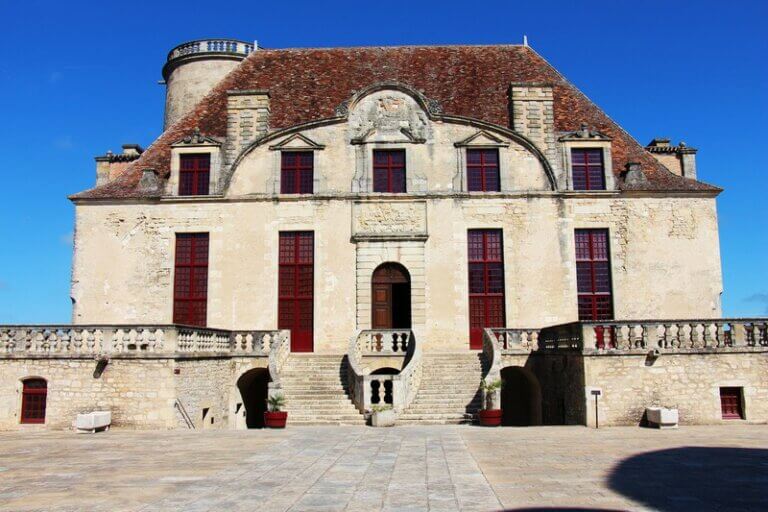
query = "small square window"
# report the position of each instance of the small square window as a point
(483, 170)
(587, 169)
(389, 170)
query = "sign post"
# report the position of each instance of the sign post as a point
(596, 393)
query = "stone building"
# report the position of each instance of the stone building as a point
(360, 226)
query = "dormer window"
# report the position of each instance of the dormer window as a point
(483, 170)
(389, 170)
(194, 174)
(296, 172)
(588, 169)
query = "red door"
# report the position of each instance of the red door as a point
(382, 306)
(296, 288)
(730, 403)
(486, 283)
(33, 400)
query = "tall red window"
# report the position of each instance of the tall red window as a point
(486, 283)
(194, 174)
(296, 288)
(587, 169)
(730, 403)
(389, 170)
(593, 275)
(483, 170)
(296, 172)
(190, 283)
(33, 399)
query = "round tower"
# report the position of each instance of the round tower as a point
(193, 68)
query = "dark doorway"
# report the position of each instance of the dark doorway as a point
(391, 297)
(253, 386)
(520, 397)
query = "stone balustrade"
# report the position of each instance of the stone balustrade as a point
(512, 340)
(97, 340)
(662, 335)
(279, 350)
(230, 46)
(400, 389)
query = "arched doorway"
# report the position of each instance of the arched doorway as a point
(391, 297)
(34, 397)
(253, 386)
(520, 397)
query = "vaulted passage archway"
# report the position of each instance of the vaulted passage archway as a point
(520, 397)
(391, 297)
(253, 387)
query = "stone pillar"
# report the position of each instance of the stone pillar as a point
(533, 115)
(247, 120)
(687, 160)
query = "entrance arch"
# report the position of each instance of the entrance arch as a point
(391, 297)
(253, 387)
(520, 397)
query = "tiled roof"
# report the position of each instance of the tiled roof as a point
(471, 81)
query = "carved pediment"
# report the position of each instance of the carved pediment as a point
(482, 138)
(584, 133)
(388, 116)
(297, 141)
(196, 139)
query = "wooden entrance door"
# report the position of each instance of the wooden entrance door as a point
(391, 297)
(730, 403)
(296, 288)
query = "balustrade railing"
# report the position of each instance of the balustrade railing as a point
(398, 389)
(516, 339)
(93, 340)
(211, 46)
(643, 335)
(279, 350)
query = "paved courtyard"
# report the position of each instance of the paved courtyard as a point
(440, 468)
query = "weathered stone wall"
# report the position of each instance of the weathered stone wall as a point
(205, 384)
(689, 382)
(139, 392)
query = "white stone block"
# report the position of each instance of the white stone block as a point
(92, 421)
(661, 417)
(383, 418)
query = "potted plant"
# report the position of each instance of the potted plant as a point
(382, 416)
(274, 417)
(490, 417)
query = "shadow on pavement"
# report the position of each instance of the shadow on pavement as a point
(695, 478)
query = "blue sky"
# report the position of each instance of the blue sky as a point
(79, 78)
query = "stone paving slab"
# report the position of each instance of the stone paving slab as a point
(409, 468)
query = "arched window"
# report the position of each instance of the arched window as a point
(33, 400)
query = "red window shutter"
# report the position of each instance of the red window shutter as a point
(587, 169)
(297, 172)
(389, 170)
(33, 401)
(593, 275)
(295, 307)
(483, 170)
(194, 174)
(190, 283)
(486, 282)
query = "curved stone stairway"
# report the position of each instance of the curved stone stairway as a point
(449, 390)
(315, 391)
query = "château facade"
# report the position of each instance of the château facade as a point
(396, 216)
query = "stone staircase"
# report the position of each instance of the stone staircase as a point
(315, 391)
(449, 390)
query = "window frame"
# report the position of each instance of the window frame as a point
(290, 269)
(296, 169)
(475, 332)
(483, 168)
(585, 168)
(199, 186)
(389, 168)
(593, 295)
(192, 295)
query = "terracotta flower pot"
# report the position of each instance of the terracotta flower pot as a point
(490, 418)
(275, 419)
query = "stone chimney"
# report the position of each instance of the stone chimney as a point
(111, 165)
(533, 115)
(679, 159)
(247, 120)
